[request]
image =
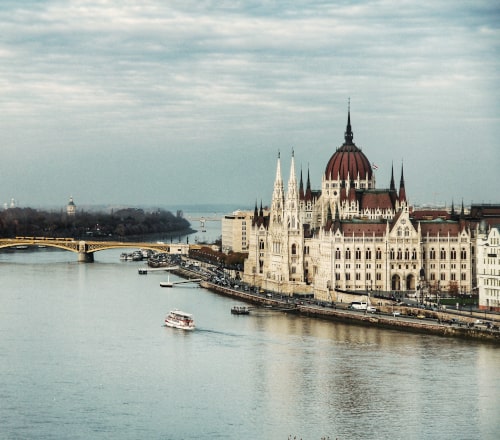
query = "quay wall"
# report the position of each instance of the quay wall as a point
(369, 319)
(399, 323)
(386, 321)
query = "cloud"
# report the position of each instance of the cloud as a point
(214, 77)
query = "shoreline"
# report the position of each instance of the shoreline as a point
(427, 325)
(378, 320)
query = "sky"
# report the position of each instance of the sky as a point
(161, 103)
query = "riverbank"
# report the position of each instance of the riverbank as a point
(379, 320)
(408, 319)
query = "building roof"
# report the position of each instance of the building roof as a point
(441, 227)
(376, 199)
(360, 228)
(348, 162)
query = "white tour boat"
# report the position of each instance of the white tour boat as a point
(179, 319)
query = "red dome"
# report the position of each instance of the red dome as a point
(348, 161)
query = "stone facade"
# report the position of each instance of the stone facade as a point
(488, 268)
(352, 237)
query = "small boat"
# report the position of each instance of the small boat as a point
(240, 310)
(167, 283)
(181, 320)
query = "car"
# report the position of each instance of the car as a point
(396, 313)
(371, 309)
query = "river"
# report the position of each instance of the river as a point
(84, 355)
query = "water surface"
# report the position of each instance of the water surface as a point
(84, 354)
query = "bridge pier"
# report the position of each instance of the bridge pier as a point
(86, 257)
(83, 255)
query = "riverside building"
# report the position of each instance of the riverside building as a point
(234, 231)
(488, 267)
(351, 236)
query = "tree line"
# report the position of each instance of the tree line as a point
(29, 222)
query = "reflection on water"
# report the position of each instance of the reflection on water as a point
(85, 355)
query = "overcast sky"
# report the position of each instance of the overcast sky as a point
(157, 102)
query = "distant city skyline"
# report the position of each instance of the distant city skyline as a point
(186, 103)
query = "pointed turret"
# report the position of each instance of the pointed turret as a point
(402, 191)
(278, 201)
(308, 194)
(292, 181)
(292, 198)
(278, 193)
(393, 185)
(301, 186)
(348, 135)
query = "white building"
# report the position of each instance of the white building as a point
(351, 236)
(488, 267)
(234, 231)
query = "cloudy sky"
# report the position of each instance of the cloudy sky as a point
(157, 102)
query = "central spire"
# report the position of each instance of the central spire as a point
(348, 135)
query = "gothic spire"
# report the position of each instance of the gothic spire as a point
(348, 135)
(292, 177)
(308, 185)
(393, 186)
(278, 192)
(292, 182)
(301, 186)
(402, 191)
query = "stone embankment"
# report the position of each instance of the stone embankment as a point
(419, 322)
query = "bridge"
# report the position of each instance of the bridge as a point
(84, 249)
(203, 220)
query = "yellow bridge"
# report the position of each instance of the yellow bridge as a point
(84, 249)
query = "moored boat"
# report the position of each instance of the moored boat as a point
(179, 319)
(240, 310)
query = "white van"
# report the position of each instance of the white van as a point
(357, 305)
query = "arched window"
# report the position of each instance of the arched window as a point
(392, 254)
(407, 231)
(442, 254)
(463, 254)
(358, 254)
(378, 254)
(368, 254)
(294, 249)
(347, 254)
(337, 254)
(432, 254)
(407, 254)
(400, 254)
(414, 254)
(453, 254)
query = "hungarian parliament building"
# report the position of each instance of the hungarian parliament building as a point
(350, 236)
